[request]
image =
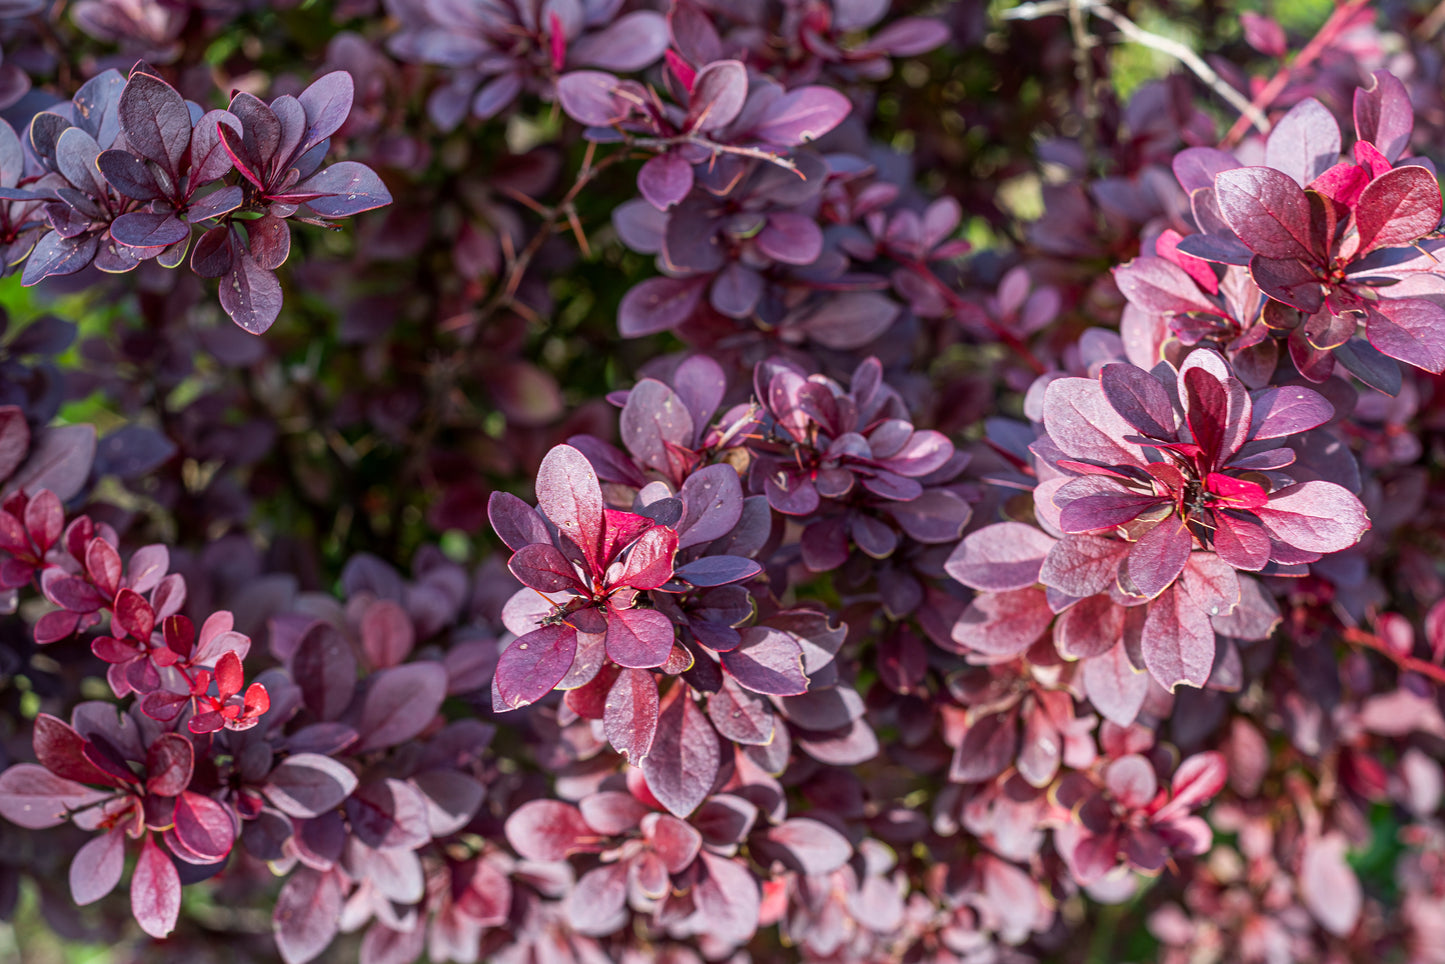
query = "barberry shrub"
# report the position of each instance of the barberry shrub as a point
(832, 481)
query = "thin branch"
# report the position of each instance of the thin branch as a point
(1323, 38)
(962, 308)
(1084, 71)
(1173, 48)
(1250, 112)
(1406, 663)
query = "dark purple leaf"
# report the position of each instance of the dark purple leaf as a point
(204, 826)
(307, 785)
(659, 304)
(1139, 398)
(1409, 329)
(1383, 114)
(1290, 281)
(791, 237)
(1281, 412)
(14, 439)
(1158, 557)
(342, 190)
(327, 103)
(543, 567)
(683, 763)
(156, 122)
(665, 180)
(388, 814)
(250, 294)
(717, 570)
(399, 703)
(515, 522)
(129, 175)
(740, 716)
(324, 666)
(530, 667)
(141, 229)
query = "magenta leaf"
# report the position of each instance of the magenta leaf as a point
(1383, 115)
(1315, 516)
(1089, 628)
(96, 867)
(683, 764)
(1268, 211)
(717, 96)
(801, 115)
(169, 763)
(324, 666)
(203, 826)
(1281, 412)
(1304, 143)
(389, 814)
(1003, 623)
(727, 899)
(549, 830)
(637, 638)
(155, 891)
(630, 714)
(590, 96)
(1398, 207)
(1178, 641)
(543, 567)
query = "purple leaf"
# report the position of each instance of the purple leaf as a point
(203, 826)
(811, 847)
(909, 37)
(516, 522)
(717, 570)
(1115, 687)
(1160, 286)
(665, 180)
(155, 890)
(768, 662)
(156, 122)
(597, 905)
(34, 798)
(399, 703)
(1315, 517)
(14, 439)
(1003, 623)
(1158, 557)
(96, 867)
(569, 495)
(1089, 628)
(60, 460)
(740, 716)
(543, 567)
(142, 229)
(629, 43)
(324, 666)
(801, 115)
(387, 635)
(327, 104)
(1409, 329)
(1082, 423)
(791, 237)
(850, 320)
(1383, 114)
(589, 96)
(727, 899)
(1139, 398)
(530, 667)
(1082, 565)
(717, 96)
(630, 715)
(1304, 143)
(1000, 557)
(659, 304)
(307, 914)
(1330, 889)
(1178, 641)
(389, 814)
(683, 764)
(548, 830)
(637, 638)
(307, 785)
(1268, 211)
(342, 190)
(1281, 412)
(1398, 207)
(1288, 280)
(250, 294)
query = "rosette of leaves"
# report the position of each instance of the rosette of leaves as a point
(495, 52)
(1332, 243)
(130, 778)
(851, 462)
(586, 566)
(806, 42)
(132, 167)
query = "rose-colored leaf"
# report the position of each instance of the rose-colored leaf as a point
(155, 891)
(96, 867)
(307, 914)
(549, 830)
(630, 716)
(683, 763)
(1000, 557)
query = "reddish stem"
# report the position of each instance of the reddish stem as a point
(1326, 35)
(1410, 664)
(962, 308)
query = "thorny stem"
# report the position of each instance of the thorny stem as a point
(1326, 35)
(962, 308)
(1407, 663)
